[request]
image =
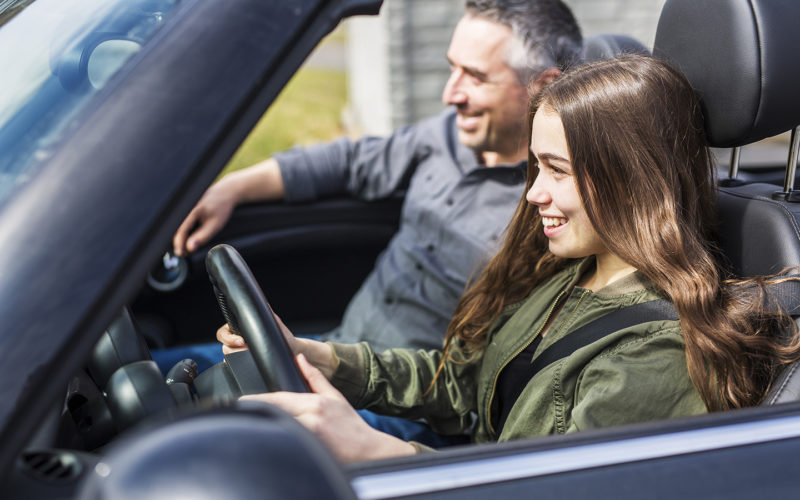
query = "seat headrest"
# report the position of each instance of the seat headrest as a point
(609, 45)
(741, 57)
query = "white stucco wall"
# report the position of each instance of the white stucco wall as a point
(368, 87)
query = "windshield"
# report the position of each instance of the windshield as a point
(55, 55)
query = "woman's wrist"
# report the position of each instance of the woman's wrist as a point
(319, 354)
(391, 447)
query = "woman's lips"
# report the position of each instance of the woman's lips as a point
(553, 225)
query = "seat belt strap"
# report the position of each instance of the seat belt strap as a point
(786, 293)
(654, 310)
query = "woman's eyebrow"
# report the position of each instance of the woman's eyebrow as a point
(552, 157)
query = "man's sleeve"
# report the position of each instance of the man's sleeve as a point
(369, 168)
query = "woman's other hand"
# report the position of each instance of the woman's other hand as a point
(326, 413)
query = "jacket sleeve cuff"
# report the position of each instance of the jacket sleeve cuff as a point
(351, 375)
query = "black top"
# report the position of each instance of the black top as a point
(508, 386)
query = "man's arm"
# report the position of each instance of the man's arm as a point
(260, 182)
(368, 168)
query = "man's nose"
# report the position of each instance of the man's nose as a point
(453, 90)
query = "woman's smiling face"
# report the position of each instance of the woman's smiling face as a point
(555, 191)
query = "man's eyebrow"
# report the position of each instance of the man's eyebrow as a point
(468, 69)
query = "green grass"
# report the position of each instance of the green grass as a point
(308, 110)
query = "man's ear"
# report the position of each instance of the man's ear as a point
(543, 79)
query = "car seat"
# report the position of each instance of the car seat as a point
(608, 45)
(738, 56)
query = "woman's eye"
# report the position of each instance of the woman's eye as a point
(558, 172)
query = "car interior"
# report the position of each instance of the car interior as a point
(317, 253)
(122, 414)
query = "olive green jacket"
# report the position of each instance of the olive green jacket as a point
(632, 375)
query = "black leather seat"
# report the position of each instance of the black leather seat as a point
(740, 56)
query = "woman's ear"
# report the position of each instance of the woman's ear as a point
(543, 79)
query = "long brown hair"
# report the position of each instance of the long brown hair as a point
(638, 151)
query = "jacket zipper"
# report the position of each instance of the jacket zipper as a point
(497, 375)
(574, 309)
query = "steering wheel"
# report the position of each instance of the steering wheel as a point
(248, 314)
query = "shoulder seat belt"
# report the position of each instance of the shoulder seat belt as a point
(654, 310)
(786, 293)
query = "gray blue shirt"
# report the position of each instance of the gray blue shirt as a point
(453, 217)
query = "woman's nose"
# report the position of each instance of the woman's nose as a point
(538, 195)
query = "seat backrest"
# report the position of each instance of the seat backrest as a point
(608, 45)
(738, 55)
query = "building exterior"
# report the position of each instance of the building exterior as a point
(397, 64)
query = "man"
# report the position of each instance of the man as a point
(462, 173)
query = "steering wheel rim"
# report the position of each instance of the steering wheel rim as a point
(248, 314)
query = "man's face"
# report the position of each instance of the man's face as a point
(490, 101)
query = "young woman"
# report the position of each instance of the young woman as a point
(619, 211)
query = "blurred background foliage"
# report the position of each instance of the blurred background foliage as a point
(308, 110)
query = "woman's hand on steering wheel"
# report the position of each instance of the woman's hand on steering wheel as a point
(326, 413)
(230, 341)
(234, 343)
(317, 353)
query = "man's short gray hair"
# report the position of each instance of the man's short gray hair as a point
(546, 34)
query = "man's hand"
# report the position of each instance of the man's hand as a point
(260, 182)
(326, 413)
(209, 215)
